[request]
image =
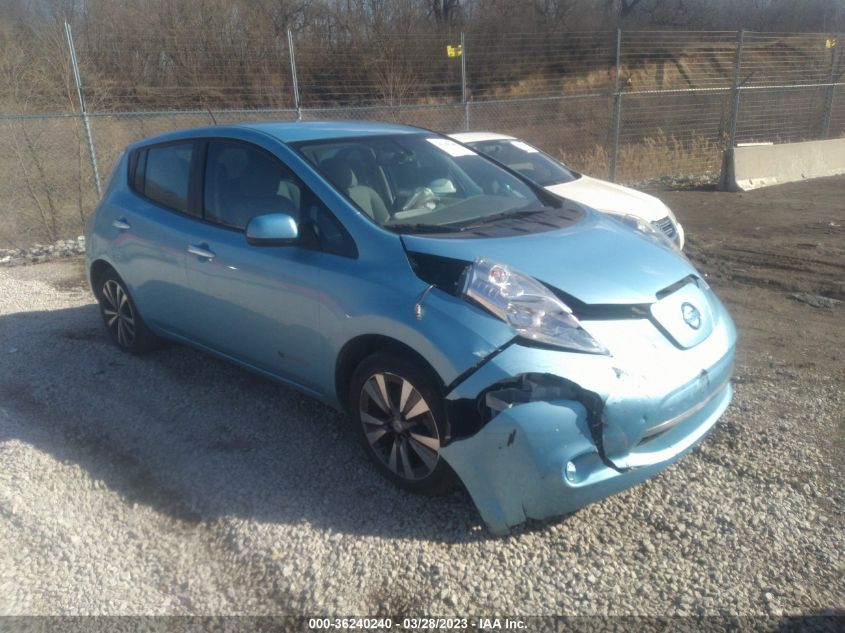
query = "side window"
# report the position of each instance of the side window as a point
(242, 182)
(166, 174)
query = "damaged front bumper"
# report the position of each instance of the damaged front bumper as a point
(566, 429)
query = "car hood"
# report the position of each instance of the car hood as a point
(598, 260)
(610, 198)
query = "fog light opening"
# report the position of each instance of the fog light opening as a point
(570, 471)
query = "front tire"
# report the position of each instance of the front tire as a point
(398, 412)
(126, 328)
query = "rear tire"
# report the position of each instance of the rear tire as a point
(125, 326)
(399, 416)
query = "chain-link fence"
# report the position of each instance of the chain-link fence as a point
(629, 106)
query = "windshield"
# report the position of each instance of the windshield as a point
(527, 160)
(420, 182)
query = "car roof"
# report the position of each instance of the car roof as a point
(293, 131)
(287, 131)
(475, 137)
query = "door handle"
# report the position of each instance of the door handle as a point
(201, 250)
(121, 224)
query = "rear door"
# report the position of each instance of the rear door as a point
(151, 228)
(257, 304)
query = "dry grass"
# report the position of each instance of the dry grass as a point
(47, 189)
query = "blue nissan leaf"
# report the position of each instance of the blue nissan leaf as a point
(477, 329)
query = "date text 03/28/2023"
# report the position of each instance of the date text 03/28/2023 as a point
(416, 623)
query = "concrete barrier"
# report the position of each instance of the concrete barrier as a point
(752, 166)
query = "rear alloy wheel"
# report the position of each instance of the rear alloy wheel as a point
(400, 418)
(126, 327)
(118, 314)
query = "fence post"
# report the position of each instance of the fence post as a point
(617, 108)
(464, 81)
(83, 111)
(293, 77)
(736, 90)
(831, 91)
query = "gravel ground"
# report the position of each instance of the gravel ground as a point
(177, 484)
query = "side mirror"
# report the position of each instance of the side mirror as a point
(272, 229)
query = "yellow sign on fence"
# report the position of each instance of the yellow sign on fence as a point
(830, 42)
(454, 51)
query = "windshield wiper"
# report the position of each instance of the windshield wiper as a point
(504, 215)
(454, 227)
(422, 228)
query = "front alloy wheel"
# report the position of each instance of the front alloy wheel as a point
(399, 426)
(398, 408)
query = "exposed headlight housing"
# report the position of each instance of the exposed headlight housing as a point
(671, 215)
(527, 306)
(647, 229)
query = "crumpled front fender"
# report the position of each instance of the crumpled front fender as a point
(512, 466)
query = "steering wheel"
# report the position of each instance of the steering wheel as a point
(420, 196)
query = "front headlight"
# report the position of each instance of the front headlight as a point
(527, 306)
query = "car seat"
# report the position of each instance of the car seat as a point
(367, 198)
(256, 192)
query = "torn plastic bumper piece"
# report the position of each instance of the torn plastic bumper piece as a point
(540, 456)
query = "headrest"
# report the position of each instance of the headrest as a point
(339, 172)
(261, 176)
(233, 160)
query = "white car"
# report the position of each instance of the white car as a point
(563, 181)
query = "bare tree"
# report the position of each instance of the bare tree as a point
(621, 9)
(445, 12)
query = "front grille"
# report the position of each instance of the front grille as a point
(667, 227)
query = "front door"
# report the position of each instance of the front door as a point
(256, 304)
